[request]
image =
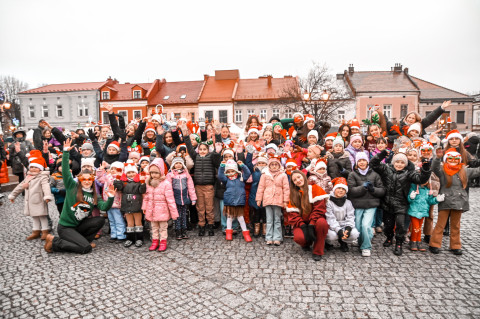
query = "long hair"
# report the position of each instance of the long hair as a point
(299, 195)
(80, 190)
(340, 129)
(462, 174)
(249, 122)
(463, 152)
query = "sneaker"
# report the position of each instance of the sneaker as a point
(316, 257)
(277, 243)
(366, 252)
(269, 242)
(398, 250)
(413, 246)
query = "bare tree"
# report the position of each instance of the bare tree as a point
(317, 82)
(11, 86)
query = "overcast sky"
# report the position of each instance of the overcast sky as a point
(139, 41)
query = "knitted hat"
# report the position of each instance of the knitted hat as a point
(454, 133)
(144, 158)
(117, 165)
(115, 145)
(291, 163)
(313, 133)
(231, 164)
(355, 137)
(36, 160)
(340, 182)
(452, 152)
(277, 124)
(355, 124)
(315, 148)
(87, 162)
(262, 158)
(360, 156)
(157, 117)
(228, 151)
(272, 145)
(178, 159)
(400, 157)
(87, 146)
(308, 118)
(130, 167)
(150, 127)
(415, 126)
(182, 147)
(331, 136)
(320, 164)
(338, 140)
(253, 129)
(134, 154)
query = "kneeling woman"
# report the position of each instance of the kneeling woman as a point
(75, 230)
(306, 213)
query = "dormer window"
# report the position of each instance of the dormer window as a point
(137, 94)
(183, 96)
(166, 97)
(105, 95)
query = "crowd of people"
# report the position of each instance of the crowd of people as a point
(287, 178)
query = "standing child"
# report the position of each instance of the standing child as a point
(57, 187)
(338, 164)
(235, 196)
(355, 146)
(259, 216)
(37, 194)
(273, 194)
(159, 204)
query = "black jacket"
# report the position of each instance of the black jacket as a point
(131, 195)
(336, 160)
(472, 145)
(359, 195)
(397, 183)
(19, 160)
(204, 169)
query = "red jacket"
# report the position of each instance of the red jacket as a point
(318, 198)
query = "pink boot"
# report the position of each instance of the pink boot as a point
(163, 245)
(154, 245)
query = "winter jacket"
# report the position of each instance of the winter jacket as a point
(352, 153)
(317, 198)
(106, 180)
(426, 121)
(340, 217)
(332, 166)
(273, 189)
(396, 183)
(204, 169)
(472, 145)
(131, 193)
(322, 180)
(235, 194)
(57, 187)
(455, 196)
(359, 195)
(187, 158)
(19, 160)
(36, 194)
(256, 175)
(420, 206)
(183, 187)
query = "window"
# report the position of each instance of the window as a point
(461, 117)
(387, 110)
(176, 116)
(59, 110)
(341, 115)
(209, 116)
(137, 94)
(370, 108)
(105, 119)
(82, 110)
(44, 111)
(166, 97)
(137, 114)
(263, 114)
(124, 114)
(238, 116)
(403, 110)
(31, 111)
(250, 112)
(223, 116)
(288, 113)
(105, 96)
(276, 112)
(183, 96)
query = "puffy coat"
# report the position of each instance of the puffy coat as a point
(159, 202)
(352, 153)
(273, 189)
(358, 195)
(235, 194)
(183, 187)
(204, 169)
(420, 206)
(317, 198)
(332, 167)
(57, 187)
(256, 175)
(455, 196)
(36, 194)
(340, 217)
(131, 194)
(106, 180)
(397, 183)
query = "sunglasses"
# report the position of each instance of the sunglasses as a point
(82, 179)
(454, 158)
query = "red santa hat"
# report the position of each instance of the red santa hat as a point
(340, 182)
(297, 117)
(331, 136)
(115, 145)
(253, 129)
(454, 133)
(426, 146)
(316, 193)
(308, 118)
(36, 160)
(150, 127)
(355, 124)
(320, 163)
(291, 163)
(451, 152)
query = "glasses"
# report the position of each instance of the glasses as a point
(82, 179)
(116, 169)
(454, 158)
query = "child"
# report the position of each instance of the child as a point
(319, 176)
(132, 186)
(420, 199)
(57, 187)
(381, 144)
(397, 179)
(273, 194)
(259, 216)
(366, 189)
(313, 155)
(144, 162)
(340, 216)
(339, 164)
(37, 194)
(184, 193)
(329, 141)
(234, 196)
(159, 204)
(414, 130)
(414, 157)
(355, 146)
(453, 183)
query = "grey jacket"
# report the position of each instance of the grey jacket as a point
(340, 217)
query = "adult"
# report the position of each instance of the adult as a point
(18, 151)
(4, 178)
(414, 117)
(310, 124)
(306, 213)
(38, 134)
(345, 132)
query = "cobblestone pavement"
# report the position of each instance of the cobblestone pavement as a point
(210, 278)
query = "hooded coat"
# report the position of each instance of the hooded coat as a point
(36, 194)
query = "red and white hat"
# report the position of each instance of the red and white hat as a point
(454, 133)
(452, 152)
(130, 167)
(426, 146)
(355, 124)
(320, 164)
(340, 182)
(308, 118)
(331, 136)
(313, 133)
(253, 129)
(115, 145)
(229, 151)
(150, 127)
(36, 160)
(291, 163)
(298, 116)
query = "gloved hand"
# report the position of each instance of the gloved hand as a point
(340, 234)
(306, 233)
(370, 187)
(426, 164)
(312, 233)
(347, 232)
(250, 148)
(91, 135)
(413, 195)
(440, 198)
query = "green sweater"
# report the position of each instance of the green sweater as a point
(74, 212)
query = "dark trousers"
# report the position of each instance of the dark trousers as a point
(377, 221)
(395, 222)
(59, 208)
(21, 177)
(193, 215)
(77, 239)
(181, 222)
(258, 216)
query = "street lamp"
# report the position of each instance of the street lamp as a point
(325, 95)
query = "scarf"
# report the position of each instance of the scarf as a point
(232, 176)
(363, 171)
(451, 170)
(338, 201)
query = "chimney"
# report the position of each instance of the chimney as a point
(205, 77)
(397, 68)
(269, 80)
(351, 69)
(405, 70)
(340, 76)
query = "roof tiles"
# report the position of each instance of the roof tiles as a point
(67, 87)
(174, 91)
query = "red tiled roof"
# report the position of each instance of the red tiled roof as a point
(174, 90)
(258, 89)
(67, 87)
(218, 90)
(432, 91)
(124, 92)
(380, 81)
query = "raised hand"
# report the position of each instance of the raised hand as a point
(67, 145)
(446, 104)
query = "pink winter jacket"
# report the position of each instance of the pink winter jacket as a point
(159, 202)
(107, 181)
(182, 184)
(273, 189)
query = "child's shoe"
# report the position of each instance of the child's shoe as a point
(277, 243)
(343, 245)
(366, 252)
(44, 234)
(184, 234)
(434, 250)
(398, 250)
(210, 230)
(229, 234)
(178, 234)
(35, 234)
(256, 232)
(426, 239)
(457, 252)
(154, 245)
(246, 236)
(163, 245)
(388, 242)
(421, 246)
(201, 231)
(413, 246)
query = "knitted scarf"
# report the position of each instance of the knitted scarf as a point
(452, 169)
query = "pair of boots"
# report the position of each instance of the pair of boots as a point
(134, 236)
(36, 234)
(246, 235)
(201, 231)
(257, 227)
(181, 234)
(343, 245)
(161, 245)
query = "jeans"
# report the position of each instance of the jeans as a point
(378, 219)
(77, 239)
(181, 222)
(363, 222)
(117, 223)
(274, 223)
(223, 220)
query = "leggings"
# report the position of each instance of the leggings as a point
(40, 223)
(77, 239)
(181, 222)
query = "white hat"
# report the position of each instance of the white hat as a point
(415, 126)
(400, 157)
(338, 140)
(320, 164)
(130, 167)
(117, 165)
(272, 145)
(144, 158)
(157, 118)
(231, 164)
(90, 161)
(313, 133)
(228, 151)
